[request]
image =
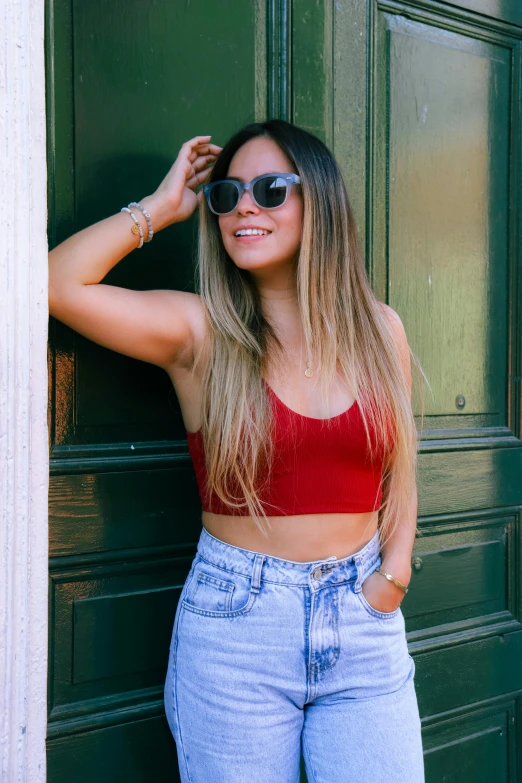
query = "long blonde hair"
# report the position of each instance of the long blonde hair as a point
(345, 331)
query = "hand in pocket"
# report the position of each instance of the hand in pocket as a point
(381, 594)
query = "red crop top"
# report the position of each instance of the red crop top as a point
(316, 468)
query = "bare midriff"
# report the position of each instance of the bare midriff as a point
(302, 538)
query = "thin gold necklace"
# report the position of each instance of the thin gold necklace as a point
(308, 371)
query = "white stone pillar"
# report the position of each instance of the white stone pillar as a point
(23, 393)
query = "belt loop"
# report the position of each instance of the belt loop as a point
(365, 565)
(256, 573)
(359, 564)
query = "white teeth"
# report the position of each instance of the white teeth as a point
(246, 232)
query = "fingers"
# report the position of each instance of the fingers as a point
(195, 141)
(195, 160)
(205, 149)
(199, 179)
(201, 145)
(213, 149)
(199, 170)
(203, 161)
(190, 150)
(208, 149)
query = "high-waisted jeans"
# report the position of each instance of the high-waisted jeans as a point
(272, 658)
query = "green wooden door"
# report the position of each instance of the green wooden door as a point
(421, 104)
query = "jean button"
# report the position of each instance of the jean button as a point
(317, 574)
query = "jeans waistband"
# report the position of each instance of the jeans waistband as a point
(314, 573)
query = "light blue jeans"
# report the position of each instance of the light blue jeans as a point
(272, 658)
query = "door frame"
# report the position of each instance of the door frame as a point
(24, 450)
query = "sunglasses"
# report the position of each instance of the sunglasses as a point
(268, 191)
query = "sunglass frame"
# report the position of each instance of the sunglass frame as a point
(290, 179)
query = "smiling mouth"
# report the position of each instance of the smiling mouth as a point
(251, 235)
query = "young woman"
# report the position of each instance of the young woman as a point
(295, 388)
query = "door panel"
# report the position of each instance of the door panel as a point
(471, 747)
(112, 646)
(138, 747)
(448, 199)
(462, 576)
(112, 509)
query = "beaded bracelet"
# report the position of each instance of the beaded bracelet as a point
(147, 218)
(136, 229)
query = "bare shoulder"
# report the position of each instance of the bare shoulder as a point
(394, 321)
(389, 313)
(398, 332)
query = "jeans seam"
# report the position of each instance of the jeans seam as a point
(225, 614)
(307, 753)
(307, 647)
(178, 718)
(177, 618)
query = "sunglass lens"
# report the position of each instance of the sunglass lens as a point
(223, 197)
(270, 192)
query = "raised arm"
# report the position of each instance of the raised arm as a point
(155, 326)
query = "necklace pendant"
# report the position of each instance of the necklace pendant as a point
(308, 372)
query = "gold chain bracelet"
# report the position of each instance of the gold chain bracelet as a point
(392, 579)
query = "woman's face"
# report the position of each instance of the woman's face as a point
(279, 247)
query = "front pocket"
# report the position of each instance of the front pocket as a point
(375, 612)
(214, 592)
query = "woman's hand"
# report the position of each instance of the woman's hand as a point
(381, 594)
(176, 197)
